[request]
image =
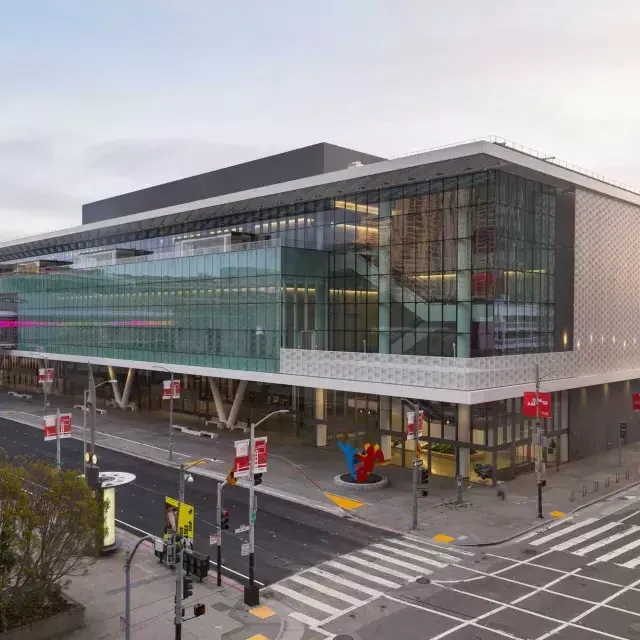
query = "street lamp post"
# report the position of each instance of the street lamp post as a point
(170, 411)
(84, 424)
(252, 591)
(416, 461)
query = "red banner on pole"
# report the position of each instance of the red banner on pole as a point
(65, 425)
(635, 399)
(166, 389)
(241, 464)
(45, 375)
(529, 409)
(50, 426)
(411, 423)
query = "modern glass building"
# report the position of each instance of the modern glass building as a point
(338, 283)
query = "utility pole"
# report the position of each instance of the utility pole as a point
(178, 610)
(127, 593)
(252, 592)
(416, 465)
(219, 530)
(539, 462)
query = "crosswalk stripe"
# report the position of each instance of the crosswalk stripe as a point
(562, 532)
(375, 567)
(344, 582)
(311, 602)
(362, 574)
(412, 556)
(618, 552)
(328, 591)
(606, 542)
(400, 563)
(631, 564)
(563, 546)
(309, 621)
(440, 554)
(551, 525)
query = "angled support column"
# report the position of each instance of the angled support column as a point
(217, 398)
(237, 401)
(126, 394)
(117, 396)
(321, 429)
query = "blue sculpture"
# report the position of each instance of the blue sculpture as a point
(350, 453)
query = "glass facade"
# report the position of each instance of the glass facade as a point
(461, 266)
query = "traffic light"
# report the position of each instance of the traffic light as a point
(224, 519)
(187, 587)
(424, 481)
(199, 610)
(257, 479)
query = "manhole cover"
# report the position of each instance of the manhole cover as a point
(530, 552)
(343, 637)
(422, 580)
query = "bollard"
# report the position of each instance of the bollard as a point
(584, 490)
(617, 478)
(627, 474)
(572, 496)
(606, 482)
(596, 486)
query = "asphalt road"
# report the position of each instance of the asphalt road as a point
(289, 537)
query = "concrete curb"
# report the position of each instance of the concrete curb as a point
(275, 493)
(548, 522)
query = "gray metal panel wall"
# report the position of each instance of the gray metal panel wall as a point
(292, 165)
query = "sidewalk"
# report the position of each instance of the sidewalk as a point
(102, 591)
(483, 517)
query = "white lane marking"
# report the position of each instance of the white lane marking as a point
(380, 569)
(361, 574)
(310, 602)
(301, 617)
(562, 532)
(436, 546)
(544, 529)
(400, 563)
(606, 542)
(344, 582)
(411, 556)
(635, 513)
(327, 591)
(463, 622)
(440, 554)
(617, 552)
(563, 546)
(242, 575)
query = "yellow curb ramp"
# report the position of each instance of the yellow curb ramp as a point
(344, 503)
(557, 514)
(441, 537)
(263, 612)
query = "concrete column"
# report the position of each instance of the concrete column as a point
(117, 396)
(464, 435)
(321, 429)
(126, 394)
(217, 399)
(237, 401)
(385, 423)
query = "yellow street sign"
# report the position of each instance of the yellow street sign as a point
(231, 479)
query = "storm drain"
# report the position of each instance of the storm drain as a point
(423, 580)
(343, 637)
(529, 552)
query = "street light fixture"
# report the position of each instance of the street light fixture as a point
(84, 420)
(161, 368)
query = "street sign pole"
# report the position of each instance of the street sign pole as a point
(252, 592)
(538, 447)
(219, 530)
(58, 439)
(178, 609)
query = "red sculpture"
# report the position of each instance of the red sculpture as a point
(368, 457)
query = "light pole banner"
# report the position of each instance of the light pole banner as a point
(178, 518)
(539, 409)
(241, 465)
(65, 425)
(411, 424)
(45, 375)
(50, 426)
(166, 389)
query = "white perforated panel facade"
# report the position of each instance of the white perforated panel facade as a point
(607, 288)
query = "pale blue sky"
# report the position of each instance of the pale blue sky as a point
(100, 97)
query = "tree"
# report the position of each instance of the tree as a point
(49, 520)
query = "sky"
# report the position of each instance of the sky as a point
(104, 97)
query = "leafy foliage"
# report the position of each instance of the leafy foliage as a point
(49, 522)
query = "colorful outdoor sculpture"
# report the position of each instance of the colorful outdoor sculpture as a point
(361, 462)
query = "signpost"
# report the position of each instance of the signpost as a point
(55, 427)
(245, 549)
(242, 528)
